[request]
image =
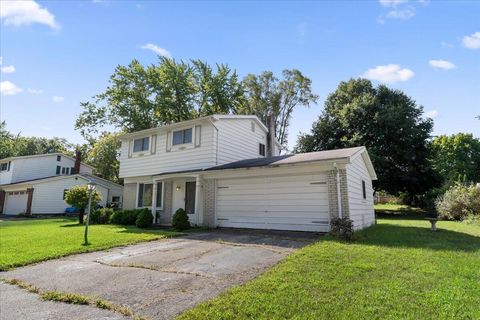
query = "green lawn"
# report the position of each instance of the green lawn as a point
(397, 269)
(27, 241)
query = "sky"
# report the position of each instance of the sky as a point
(55, 54)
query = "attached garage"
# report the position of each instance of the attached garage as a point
(284, 202)
(15, 202)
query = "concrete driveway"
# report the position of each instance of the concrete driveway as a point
(162, 278)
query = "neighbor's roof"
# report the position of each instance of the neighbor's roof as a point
(45, 155)
(213, 118)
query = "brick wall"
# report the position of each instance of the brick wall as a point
(332, 193)
(209, 203)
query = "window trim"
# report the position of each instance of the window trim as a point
(152, 183)
(143, 145)
(364, 190)
(262, 149)
(180, 145)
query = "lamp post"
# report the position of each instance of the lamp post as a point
(90, 187)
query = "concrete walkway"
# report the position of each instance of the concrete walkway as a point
(162, 278)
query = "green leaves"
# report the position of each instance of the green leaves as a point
(388, 123)
(141, 97)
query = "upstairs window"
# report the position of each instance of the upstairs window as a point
(182, 136)
(59, 158)
(364, 190)
(261, 149)
(4, 166)
(141, 144)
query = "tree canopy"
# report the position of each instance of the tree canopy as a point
(103, 156)
(145, 97)
(14, 145)
(388, 122)
(141, 97)
(267, 94)
(456, 157)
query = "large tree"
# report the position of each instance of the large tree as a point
(388, 122)
(103, 156)
(456, 157)
(267, 94)
(141, 97)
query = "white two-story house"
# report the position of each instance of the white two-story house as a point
(227, 171)
(36, 184)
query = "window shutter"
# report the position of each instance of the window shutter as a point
(130, 148)
(153, 146)
(198, 134)
(169, 141)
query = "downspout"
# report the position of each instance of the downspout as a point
(338, 191)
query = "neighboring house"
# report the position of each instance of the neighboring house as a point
(226, 171)
(37, 184)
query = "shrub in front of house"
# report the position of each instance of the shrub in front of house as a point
(180, 220)
(341, 228)
(459, 202)
(101, 216)
(144, 219)
(125, 217)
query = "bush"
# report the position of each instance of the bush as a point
(180, 220)
(341, 228)
(471, 219)
(125, 217)
(144, 219)
(458, 202)
(101, 216)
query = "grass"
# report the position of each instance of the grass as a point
(397, 269)
(74, 298)
(28, 241)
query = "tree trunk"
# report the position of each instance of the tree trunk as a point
(80, 216)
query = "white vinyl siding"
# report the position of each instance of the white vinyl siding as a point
(40, 167)
(48, 196)
(292, 202)
(176, 159)
(237, 141)
(361, 210)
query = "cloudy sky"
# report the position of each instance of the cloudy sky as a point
(56, 54)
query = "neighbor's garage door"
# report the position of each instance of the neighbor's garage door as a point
(16, 202)
(279, 202)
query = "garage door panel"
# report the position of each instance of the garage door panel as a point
(280, 202)
(16, 202)
(272, 202)
(278, 226)
(278, 190)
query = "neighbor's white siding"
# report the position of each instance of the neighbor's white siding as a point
(48, 196)
(158, 159)
(237, 141)
(6, 176)
(41, 167)
(361, 210)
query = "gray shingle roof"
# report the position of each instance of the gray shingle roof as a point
(290, 159)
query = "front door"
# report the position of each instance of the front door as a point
(190, 198)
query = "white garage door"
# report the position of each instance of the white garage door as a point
(280, 202)
(16, 202)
